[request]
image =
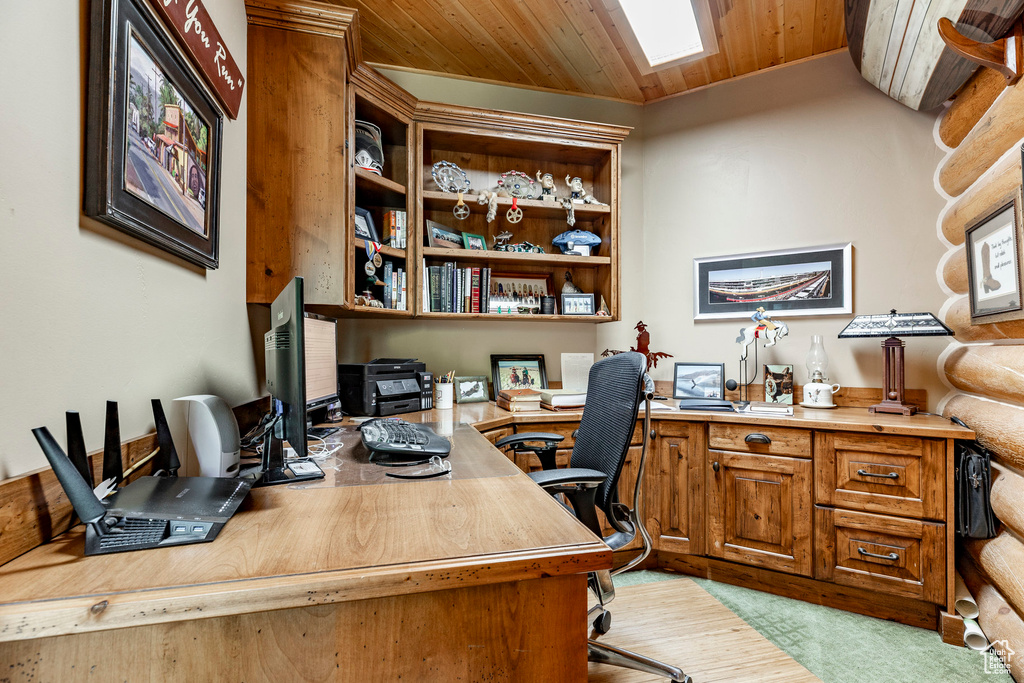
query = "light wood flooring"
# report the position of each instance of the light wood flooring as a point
(679, 623)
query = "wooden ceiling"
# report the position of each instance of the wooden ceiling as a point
(575, 46)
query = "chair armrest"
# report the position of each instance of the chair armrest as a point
(567, 477)
(518, 439)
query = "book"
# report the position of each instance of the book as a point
(517, 406)
(563, 397)
(548, 406)
(435, 289)
(475, 292)
(388, 268)
(402, 291)
(766, 408)
(521, 395)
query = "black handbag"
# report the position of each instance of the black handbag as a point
(972, 477)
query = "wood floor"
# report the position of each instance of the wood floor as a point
(679, 623)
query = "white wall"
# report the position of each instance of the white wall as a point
(90, 314)
(802, 156)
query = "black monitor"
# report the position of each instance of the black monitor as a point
(285, 353)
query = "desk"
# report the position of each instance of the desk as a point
(468, 579)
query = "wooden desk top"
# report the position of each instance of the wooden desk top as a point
(290, 546)
(486, 416)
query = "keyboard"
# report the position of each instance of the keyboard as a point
(398, 439)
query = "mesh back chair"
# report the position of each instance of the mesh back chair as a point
(616, 387)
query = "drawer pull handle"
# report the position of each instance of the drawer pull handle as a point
(757, 438)
(714, 466)
(890, 556)
(865, 473)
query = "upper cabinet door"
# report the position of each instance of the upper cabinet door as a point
(759, 510)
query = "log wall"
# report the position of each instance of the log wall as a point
(985, 365)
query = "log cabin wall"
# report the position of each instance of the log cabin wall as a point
(984, 364)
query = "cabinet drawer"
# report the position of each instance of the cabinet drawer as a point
(749, 438)
(903, 557)
(897, 475)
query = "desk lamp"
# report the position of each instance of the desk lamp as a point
(894, 325)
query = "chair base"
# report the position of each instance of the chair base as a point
(607, 654)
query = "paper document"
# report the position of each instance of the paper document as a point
(576, 370)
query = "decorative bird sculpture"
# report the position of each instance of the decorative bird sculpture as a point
(643, 346)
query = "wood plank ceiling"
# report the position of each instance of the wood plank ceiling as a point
(574, 46)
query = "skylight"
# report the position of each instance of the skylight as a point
(667, 30)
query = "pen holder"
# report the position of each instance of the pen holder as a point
(443, 394)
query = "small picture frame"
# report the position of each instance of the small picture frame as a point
(778, 384)
(578, 304)
(518, 371)
(699, 380)
(441, 237)
(471, 389)
(520, 290)
(365, 229)
(994, 254)
(474, 242)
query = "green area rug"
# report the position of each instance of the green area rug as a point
(838, 646)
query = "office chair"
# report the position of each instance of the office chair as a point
(616, 387)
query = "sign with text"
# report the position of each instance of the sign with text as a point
(191, 23)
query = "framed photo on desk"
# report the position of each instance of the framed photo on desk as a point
(518, 371)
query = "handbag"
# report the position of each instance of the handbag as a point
(972, 476)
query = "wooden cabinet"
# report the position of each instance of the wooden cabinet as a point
(759, 510)
(674, 499)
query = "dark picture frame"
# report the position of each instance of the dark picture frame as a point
(440, 237)
(698, 380)
(994, 247)
(501, 365)
(166, 191)
(578, 304)
(471, 389)
(364, 226)
(791, 282)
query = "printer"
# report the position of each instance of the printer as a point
(385, 386)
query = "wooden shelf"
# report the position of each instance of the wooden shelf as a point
(374, 190)
(521, 318)
(382, 311)
(537, 208)
(521, 258)
(360, 245)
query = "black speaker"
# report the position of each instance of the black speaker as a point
(167, 459)
(112, 466)
(76, 446)
(80, 494)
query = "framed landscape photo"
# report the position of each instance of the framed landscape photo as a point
(790, 282)
(365, 229)
(578, 304)
(441, 237)
(153, 137)
(471, 241)
(778, 384)
(471, 389)
(518, 371)
(699, 380)
(994, 254)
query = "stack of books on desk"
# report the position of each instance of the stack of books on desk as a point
(562, 399)
(766, 408)
(518, 400)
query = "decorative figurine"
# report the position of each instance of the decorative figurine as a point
(366, 299)
(578, 194)
(577, 242)
(547, 186)
(521, 247)
(604, 310)
(763, 326)
(369, 150)
(502, 239)
(570, 287)
(490, 198)
(643, 346)
(570, 211)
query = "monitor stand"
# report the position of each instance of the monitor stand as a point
(274, 469)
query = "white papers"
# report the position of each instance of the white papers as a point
(576, 371)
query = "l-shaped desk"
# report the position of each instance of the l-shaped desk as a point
(481, 576)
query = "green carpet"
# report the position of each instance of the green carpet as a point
(838, 646)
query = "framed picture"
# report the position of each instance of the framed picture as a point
(518, 372)
(472, 241)
(813, 281)
(441, 237)
(153, 137)
(578, 304)
(994, 255)
(699, 380)
(471, 389)
(778, 384)
(365, 229)
(518, 289)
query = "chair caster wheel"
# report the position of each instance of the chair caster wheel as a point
(603, 622)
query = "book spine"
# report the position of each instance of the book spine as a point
(476, 290)
(435, 289)
(467, 291)
(402, 229)
(387, 284)
(405, 285)
(425, 287)
(392, 222)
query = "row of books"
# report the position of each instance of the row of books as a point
(395, 228)
(450, 289)
(395, 287)
(519, 400)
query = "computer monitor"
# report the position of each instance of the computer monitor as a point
(321, 337)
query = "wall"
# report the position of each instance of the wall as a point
(90, 314)
(802, 156)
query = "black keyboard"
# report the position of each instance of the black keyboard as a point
(403, 440)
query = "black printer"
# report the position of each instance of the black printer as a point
(385, 386)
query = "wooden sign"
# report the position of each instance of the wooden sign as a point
(191, 23)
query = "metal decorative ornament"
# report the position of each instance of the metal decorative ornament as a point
(461, 210)
(449, 177)
(517, 184)
(514, 214)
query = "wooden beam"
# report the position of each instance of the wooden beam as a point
(1001, 559)
(997, 619)
(958, 317)
(995, 372)
(981, 199)
(1003, 55)
(1008, 497)
(969, 105)
(998, 427)
(954, 271)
